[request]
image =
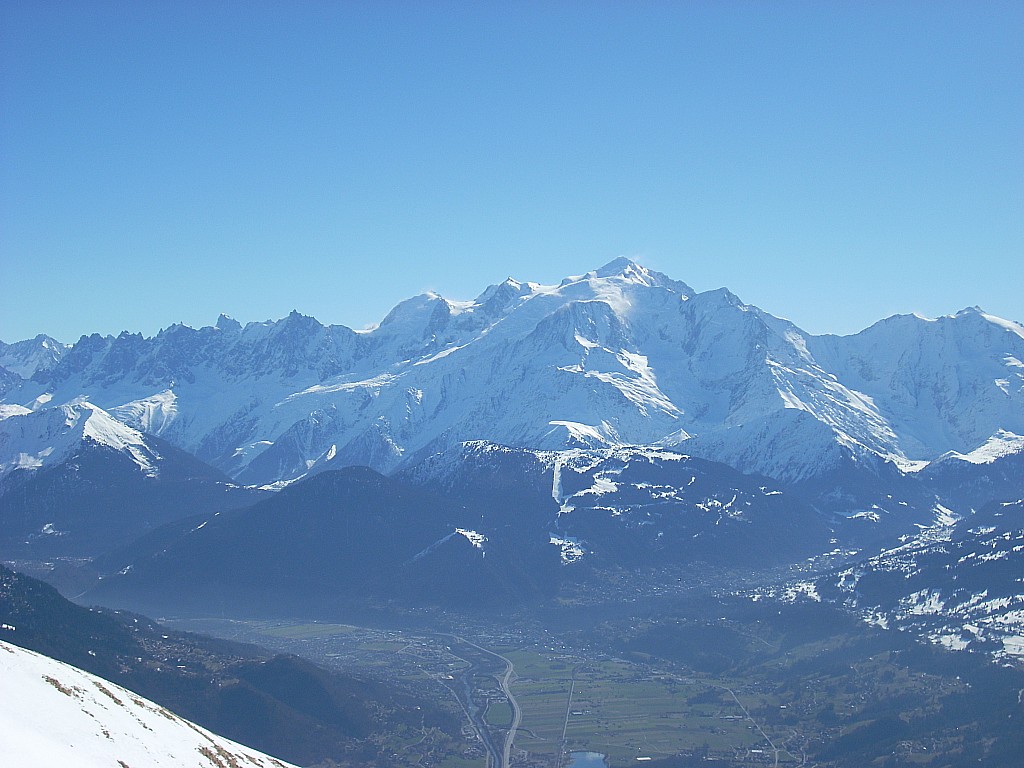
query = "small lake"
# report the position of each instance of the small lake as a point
(586, 760)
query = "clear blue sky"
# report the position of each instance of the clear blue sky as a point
(831, 162)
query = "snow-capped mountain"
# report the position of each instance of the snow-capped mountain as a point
(75, 481)
(945, 385)
(619, 356)
(995, 471)
(31, 440)
(25, 358)
(53, 714)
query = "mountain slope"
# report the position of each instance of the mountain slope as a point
(990, 473)
(278, 704)
(31, 440)
(340, 539)
(82, 483)
(958, 585)
(635, 507)
(480, 527)
(948, 384)
(56, 715)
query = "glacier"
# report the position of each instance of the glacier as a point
(619, 356)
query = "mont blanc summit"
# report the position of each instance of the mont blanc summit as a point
(619, 356)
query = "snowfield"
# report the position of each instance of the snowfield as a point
(54, 716)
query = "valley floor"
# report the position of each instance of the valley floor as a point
(671, 682)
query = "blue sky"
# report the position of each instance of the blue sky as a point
(831, 162)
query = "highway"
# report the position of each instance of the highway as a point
(504, 682)
(517, 713)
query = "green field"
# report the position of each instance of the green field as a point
(622, 710)
(499, 714)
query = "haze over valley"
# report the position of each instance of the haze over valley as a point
(614, 478)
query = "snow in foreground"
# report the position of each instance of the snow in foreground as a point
(52, 714)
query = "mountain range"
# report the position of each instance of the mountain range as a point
(487, 453)
(622, 355)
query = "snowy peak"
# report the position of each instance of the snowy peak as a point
(944, 385)
(978, 314)
(1007, 325)
(152, 415)
(103, 429)
(621, 266)
(412, 316)
(228, 324)
(25, 358)
(628, 270)
(965, 320)
(497, 299)
(723, 297)
(620, 277)
(625, 270)
(31, 440)
(1000, 445)
(54, 715)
